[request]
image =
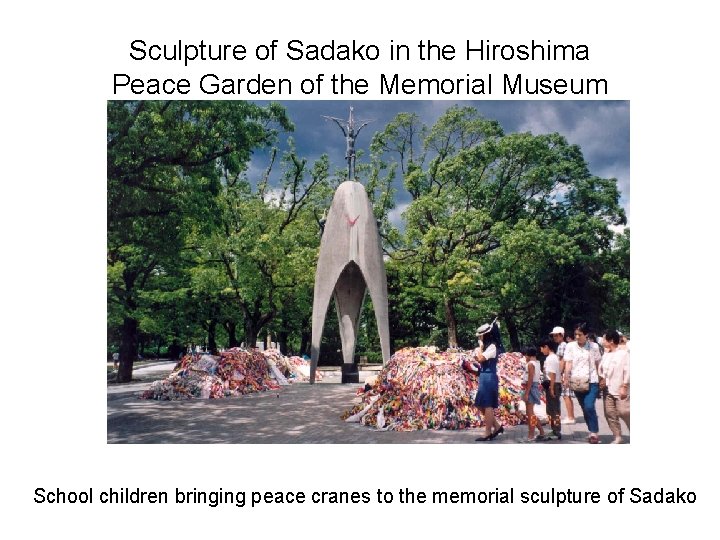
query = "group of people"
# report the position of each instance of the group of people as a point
(578, 367)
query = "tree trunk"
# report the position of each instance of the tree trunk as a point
(212, 343)
(251, 334)
(451, 322)
(282, 342)
(128, 349)
(512, 332)
(304, 343)
(175, 350)
(230, 328)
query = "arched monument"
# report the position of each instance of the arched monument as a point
(350, 262)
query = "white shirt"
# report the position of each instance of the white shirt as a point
(490, 352)
(536, 373)
(552, 365)
(583, 359)
(615, 367)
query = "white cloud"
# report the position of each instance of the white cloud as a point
(395, 215)
(274, 196)
(601, 132)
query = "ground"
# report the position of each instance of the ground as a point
(299, 413)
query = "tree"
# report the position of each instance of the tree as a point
(265, 242)
(616, 284)
(512, 225)
(413, 314)
(520, 272)
(165, 164)
(476, 190)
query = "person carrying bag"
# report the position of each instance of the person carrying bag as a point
(582, 357)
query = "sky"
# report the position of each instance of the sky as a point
(600, 128)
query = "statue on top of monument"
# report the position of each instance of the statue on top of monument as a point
(350, 132)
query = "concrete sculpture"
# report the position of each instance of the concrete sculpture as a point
(350, 265)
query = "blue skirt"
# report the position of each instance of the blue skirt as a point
(487, 394)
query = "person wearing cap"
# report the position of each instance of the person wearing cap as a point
(558, 336)
(487, 397)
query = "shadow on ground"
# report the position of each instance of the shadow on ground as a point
(300, 413)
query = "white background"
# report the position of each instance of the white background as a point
(58, 61)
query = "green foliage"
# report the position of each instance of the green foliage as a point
(167, 164)
(509, 225)
(495, 219)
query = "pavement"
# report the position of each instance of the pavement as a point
(299, 413)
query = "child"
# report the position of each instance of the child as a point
(532, 394)
(552, 385)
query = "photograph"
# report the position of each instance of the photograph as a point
(371, 271)
(358, 269)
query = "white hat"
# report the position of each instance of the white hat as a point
(558, 330)
(484, 329)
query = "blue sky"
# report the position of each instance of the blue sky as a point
(600, 128)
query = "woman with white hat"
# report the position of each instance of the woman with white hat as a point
(487, 396)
